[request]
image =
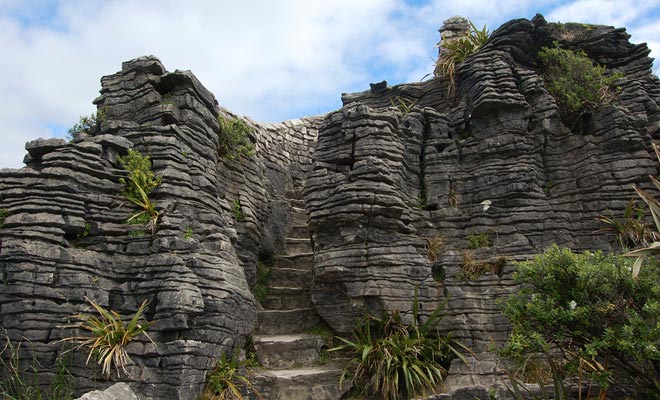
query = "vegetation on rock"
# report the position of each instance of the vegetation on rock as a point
(88, 125)
(455, 51)
(226, 381)
(391, 359)
(108, 336)
(234, 138)
(576, 83)
(138, 185)
(20, 381)
(590, 316)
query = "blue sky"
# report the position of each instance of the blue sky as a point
(270, 60)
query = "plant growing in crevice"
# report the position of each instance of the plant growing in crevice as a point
(107, 336)
(390, 359)
(478, 240)
(234, 138)
(261, 288)
(455, 51)
(188, 233)
(403, 105)
(632, 230)
(472, 268)
(138, 185)
(20, 381)
(4, 213)
(548, 186)
(434, 247)
(453, 198)
(88, 125)
(227, 381)
(576, 83)
(237, 210)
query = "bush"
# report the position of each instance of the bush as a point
(454, 52)
(478, 240)
(88, 125)
(390, 359)
(138, 185)
(587, 309)
(109, 336)
(575, 82)
(226, 381)
(234, 138)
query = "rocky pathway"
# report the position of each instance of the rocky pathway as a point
(295, 365)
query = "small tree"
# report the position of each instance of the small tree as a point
(575, 82)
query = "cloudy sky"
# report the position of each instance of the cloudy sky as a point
(270, 60)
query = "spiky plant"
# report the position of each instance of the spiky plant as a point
(138, 185)
(455, 51)
(226, 380)
(107, 336)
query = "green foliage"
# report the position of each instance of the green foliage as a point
(234, 138)
(226, 381)
(548, 186)
(590, 308)
(632, 230)
(262, 286)
(188, 234)
(652, 249)
(237, 210)
(454, 52)
(575, 82)
(390, 359)
(478, 240)
(20, 381)
(88, 125)
(108, 336)
(85, 231)
(138, 185)
(472, 268)
(4, 213)
(403, 105)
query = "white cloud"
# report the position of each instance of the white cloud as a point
(270, 60)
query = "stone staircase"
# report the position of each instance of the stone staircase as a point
(295, 365)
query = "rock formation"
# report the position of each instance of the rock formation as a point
(379, 184)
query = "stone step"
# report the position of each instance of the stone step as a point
(304, 261)
(298, 246)
(301, 278)
(297, 202)
(290, 351)
(298, 232)
(298, 216)
(314, 383)
(279, 322)
(287, 298)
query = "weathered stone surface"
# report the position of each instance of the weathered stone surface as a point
(64, 238)
(118, 391)
(345, 204)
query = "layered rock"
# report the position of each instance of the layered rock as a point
(65, 238)
(395, 172)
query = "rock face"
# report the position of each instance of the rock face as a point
(380, 184)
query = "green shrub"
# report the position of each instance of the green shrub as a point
(454, 52)
(261, 288)
(138, 185)
(4, 213)
(88, 125)
(188, 233)
(478, 240)
(589, 310)
(390, 359)
(108, 336)
(575, 82)
(234, 138)
(226, 381)
(237, 210)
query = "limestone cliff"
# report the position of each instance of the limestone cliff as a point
(377, 182)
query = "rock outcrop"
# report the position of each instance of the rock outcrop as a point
(381, 185)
